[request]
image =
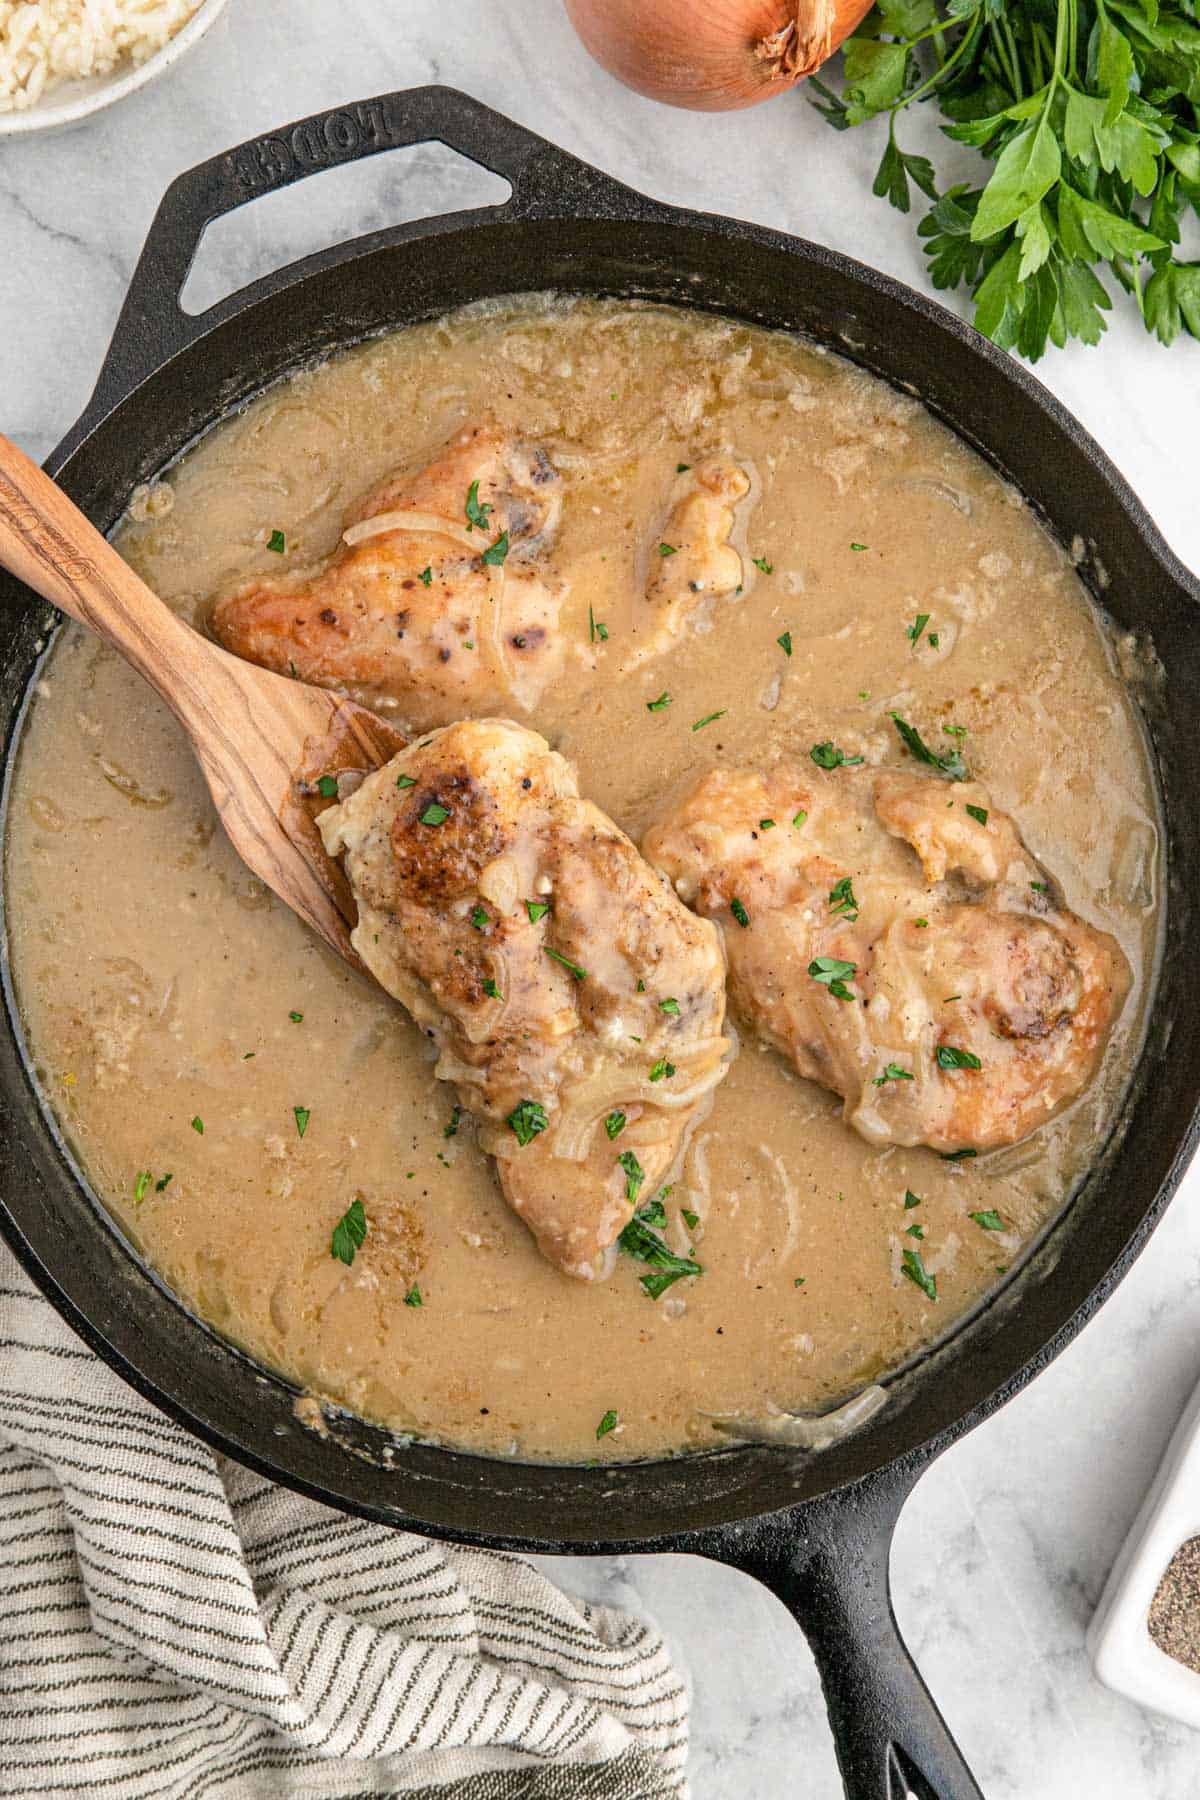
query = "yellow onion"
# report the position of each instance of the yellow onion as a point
(713, 55)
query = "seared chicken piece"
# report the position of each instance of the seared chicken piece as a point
(433, 599)
(949, 997)
(578, 1007)
(693, 560)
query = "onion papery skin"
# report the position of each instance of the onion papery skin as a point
(713, 55)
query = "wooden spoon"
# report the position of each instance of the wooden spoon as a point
(263, 741)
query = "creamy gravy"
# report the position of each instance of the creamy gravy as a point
(158, 979)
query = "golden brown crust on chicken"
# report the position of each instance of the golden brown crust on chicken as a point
(957, 1003)
(524, 931)
(413, 613)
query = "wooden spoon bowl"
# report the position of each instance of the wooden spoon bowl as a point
(263, 741)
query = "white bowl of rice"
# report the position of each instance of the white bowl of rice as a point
(62, 60)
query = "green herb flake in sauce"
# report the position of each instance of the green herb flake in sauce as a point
(608, 1423)
(766, 824)
(913, 633)
(958, 1155)
(450, 1129)
(911, 1199)
(413, 1296)
(614, 1124)
(491, 990)
(426, 575)
(834, 974)
(634, 1174)
(950, 764)
(537, 909)
(327, 786)
(642, 1242)
(842, 901)
(784, 640)
(198, 1125)
(526, 1120)
(435, 814)
(477, 515)
(893, 1072)
(690, 1219)
(979, 813)
(572, 968)
(828, 756)
(301, 1114)
(918, 1274)
(141, 1184)
(860, 546)
(915, 1231)
(669, 1005)
(990, 1219)
(760, 562)
(709, 719)
(596, 628)
(406, 781)
(297, 1018)
(659, 705)
(349, 1234)
(495, 553)
(739, 912)
(277, 542)
(949, 1056)
(662, 1069)
(682, 468)
(668, 549)
(799, 819)
(480, 917)
(1039, 887)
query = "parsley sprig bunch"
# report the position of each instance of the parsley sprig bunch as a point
(1089, 111)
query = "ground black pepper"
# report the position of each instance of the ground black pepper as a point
(1174, 1617)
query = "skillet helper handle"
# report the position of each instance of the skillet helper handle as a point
(828, 1563)
(545, 181)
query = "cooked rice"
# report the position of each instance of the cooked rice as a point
(43, 42)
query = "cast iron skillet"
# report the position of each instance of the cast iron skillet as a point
(815, 1528)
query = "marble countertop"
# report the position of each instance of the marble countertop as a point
(1004, 1547)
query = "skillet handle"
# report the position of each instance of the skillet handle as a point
(152, 327)
(828, 1563)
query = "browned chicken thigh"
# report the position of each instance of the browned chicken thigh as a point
(579, 1008)
(434, 601)
(949, 996)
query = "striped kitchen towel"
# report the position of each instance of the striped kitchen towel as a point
(173, 1627)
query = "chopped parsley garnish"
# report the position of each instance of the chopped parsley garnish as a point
(614, 1123)
(799, 1281)
(955, 730)
(495, 553)
(426, 575)
(950, 764)
(480, 917)
(654, 1212)
(669, 1005)
(978, 812)
(784, 640)
(934, 640)
(766, 824)
(949, 1056)
(435, 814)
(828, 756)
(1039, 887)
(641, 986)
(297, 1018)
(911, 1199)
(682, 468)
(913, 633)
(572, 968)
(198, 1124)
(709, 718)
(860, 546)
(277, 542)
(163, 1182)
(349, 1234)
(958, 1155)
(406, 781)
(915, 1231)
(476, 514)
(491, 990)
(760, 562)
(328, 786)
(537, 909)
(413, 1296)
(525, 1121)
(690, 1219)
(739, 912)
(451, 1129)
(639, 1240)
(893, 1072)
(990, 1219)
(141, 1184)
(301, 1114)
(799, 819)
(921, 924)
(662, 1068)
(609, 1421)
(668, 549)
(918, 1274)
(659, 705)
(596, 628)
(841, 900)
(834, 973)
(634, 1174)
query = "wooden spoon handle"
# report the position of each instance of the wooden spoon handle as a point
(49, 545)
